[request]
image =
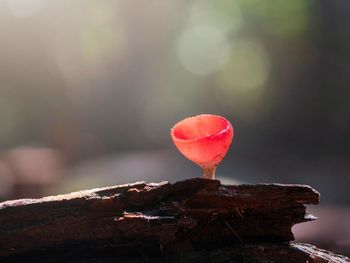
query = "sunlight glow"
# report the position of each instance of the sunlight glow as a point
(24, 8)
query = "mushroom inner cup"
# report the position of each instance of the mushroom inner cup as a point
(199, 127)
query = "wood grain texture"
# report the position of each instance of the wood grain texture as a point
(247, 253)
(195, 220)
(160, 219)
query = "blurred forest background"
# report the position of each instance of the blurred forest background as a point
(90, 89)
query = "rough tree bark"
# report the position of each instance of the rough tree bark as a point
(196, 220)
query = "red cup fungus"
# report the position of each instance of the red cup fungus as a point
(204, 139)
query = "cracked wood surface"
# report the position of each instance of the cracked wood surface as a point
(155, 219)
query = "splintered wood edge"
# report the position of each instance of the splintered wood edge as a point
(72, 195)
(313, 196)
(317, 253)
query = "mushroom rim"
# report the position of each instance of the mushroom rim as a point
(211, 136)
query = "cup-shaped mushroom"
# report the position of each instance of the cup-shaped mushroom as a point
(203, 139)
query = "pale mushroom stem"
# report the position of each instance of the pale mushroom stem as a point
(209, 172)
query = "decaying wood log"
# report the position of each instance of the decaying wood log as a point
(193, 217)
(247, 253)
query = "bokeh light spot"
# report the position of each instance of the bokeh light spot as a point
(247, 69)
(203, 49)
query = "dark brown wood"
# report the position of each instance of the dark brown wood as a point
(246, 253)
(158, 218)
(291, 253)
